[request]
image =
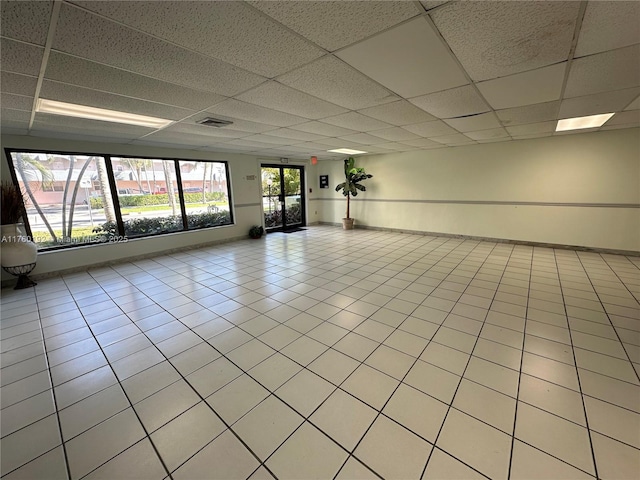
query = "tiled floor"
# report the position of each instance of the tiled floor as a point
(328, 354)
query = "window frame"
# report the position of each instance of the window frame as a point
(9, 151)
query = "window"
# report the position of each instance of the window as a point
(77, 199)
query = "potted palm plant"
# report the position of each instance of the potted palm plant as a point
(350, 187)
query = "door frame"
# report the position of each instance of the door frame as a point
(303, 197)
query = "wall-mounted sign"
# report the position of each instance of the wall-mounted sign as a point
(324, 181)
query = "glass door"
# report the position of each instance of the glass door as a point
(283, 197)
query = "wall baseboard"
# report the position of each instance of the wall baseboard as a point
(490, 239)
(42, 276)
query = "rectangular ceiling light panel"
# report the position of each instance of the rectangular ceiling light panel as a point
(93, 113)
(346, 151)
(577, 123)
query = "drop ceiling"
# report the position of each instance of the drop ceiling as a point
(298, 78)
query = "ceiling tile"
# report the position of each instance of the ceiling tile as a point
(629, 118)
(333, 80)
(605, 102)
(364, 138)
(248, 143)
(18, 84)
(452, 103)
(635, 105)
(338, 143)
(20, 58)
(295, 135)
(429, 4)
(482, 121)
(395, 134)
(26, 21)
(84, 73)
(230, 31)
(397, 147)
(235, 109)
(453, 140)
(181, 138)
(403, 58)
(539, 112)
(535, 86)
(532, 128)
(264, 138)
(95, 38)
(398, 113)
(612, 70)
(16, 102)
(286, 99)
(80, 127)
(356, 122)
(187, 126)
(14, 119)
(490, 134)
(324, 129)
(607, 26)
(334, 24)
(496, 39)
(430, 129)
(83, 96)
(422, 143)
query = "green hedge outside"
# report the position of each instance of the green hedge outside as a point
(161, 199)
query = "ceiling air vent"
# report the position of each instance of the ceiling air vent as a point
(214, 122)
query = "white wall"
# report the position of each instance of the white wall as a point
(245, 196)
(564, 190)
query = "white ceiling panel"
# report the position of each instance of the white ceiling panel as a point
(613, 70)
(628, 118)
(356, 121)
(496, 39)
(540, 112)
(334, 24)
(395, 134)
(482, 121)
(62, 92)
(536, 86)
(606, 102)
(20, 58)
(16, 102)
(532, 128)
(321, 128)
(14, 118)
(26, 21)
(241, 142)
(491, 134)
(235, 109)
(635, 105)
(267, 138)
(181, 138)
(44, 122)
(452, 103)
(364, 139)
(397, 147)
(607, 26)
(429, 4)
(195, 129)
(84, 73)
(338, 143)
(230, 31)
(422, 143)
(403, 59)
(288, 133)
(333, 80)
(398, 113)
(286, 99)
(94, 38)
(431, 129)
(18, 84)
(453, 140)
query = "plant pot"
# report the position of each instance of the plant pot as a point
(17, 249)
(347, 223)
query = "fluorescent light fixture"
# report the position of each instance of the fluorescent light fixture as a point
(592, 121)
(347, 151)
(93, 113)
